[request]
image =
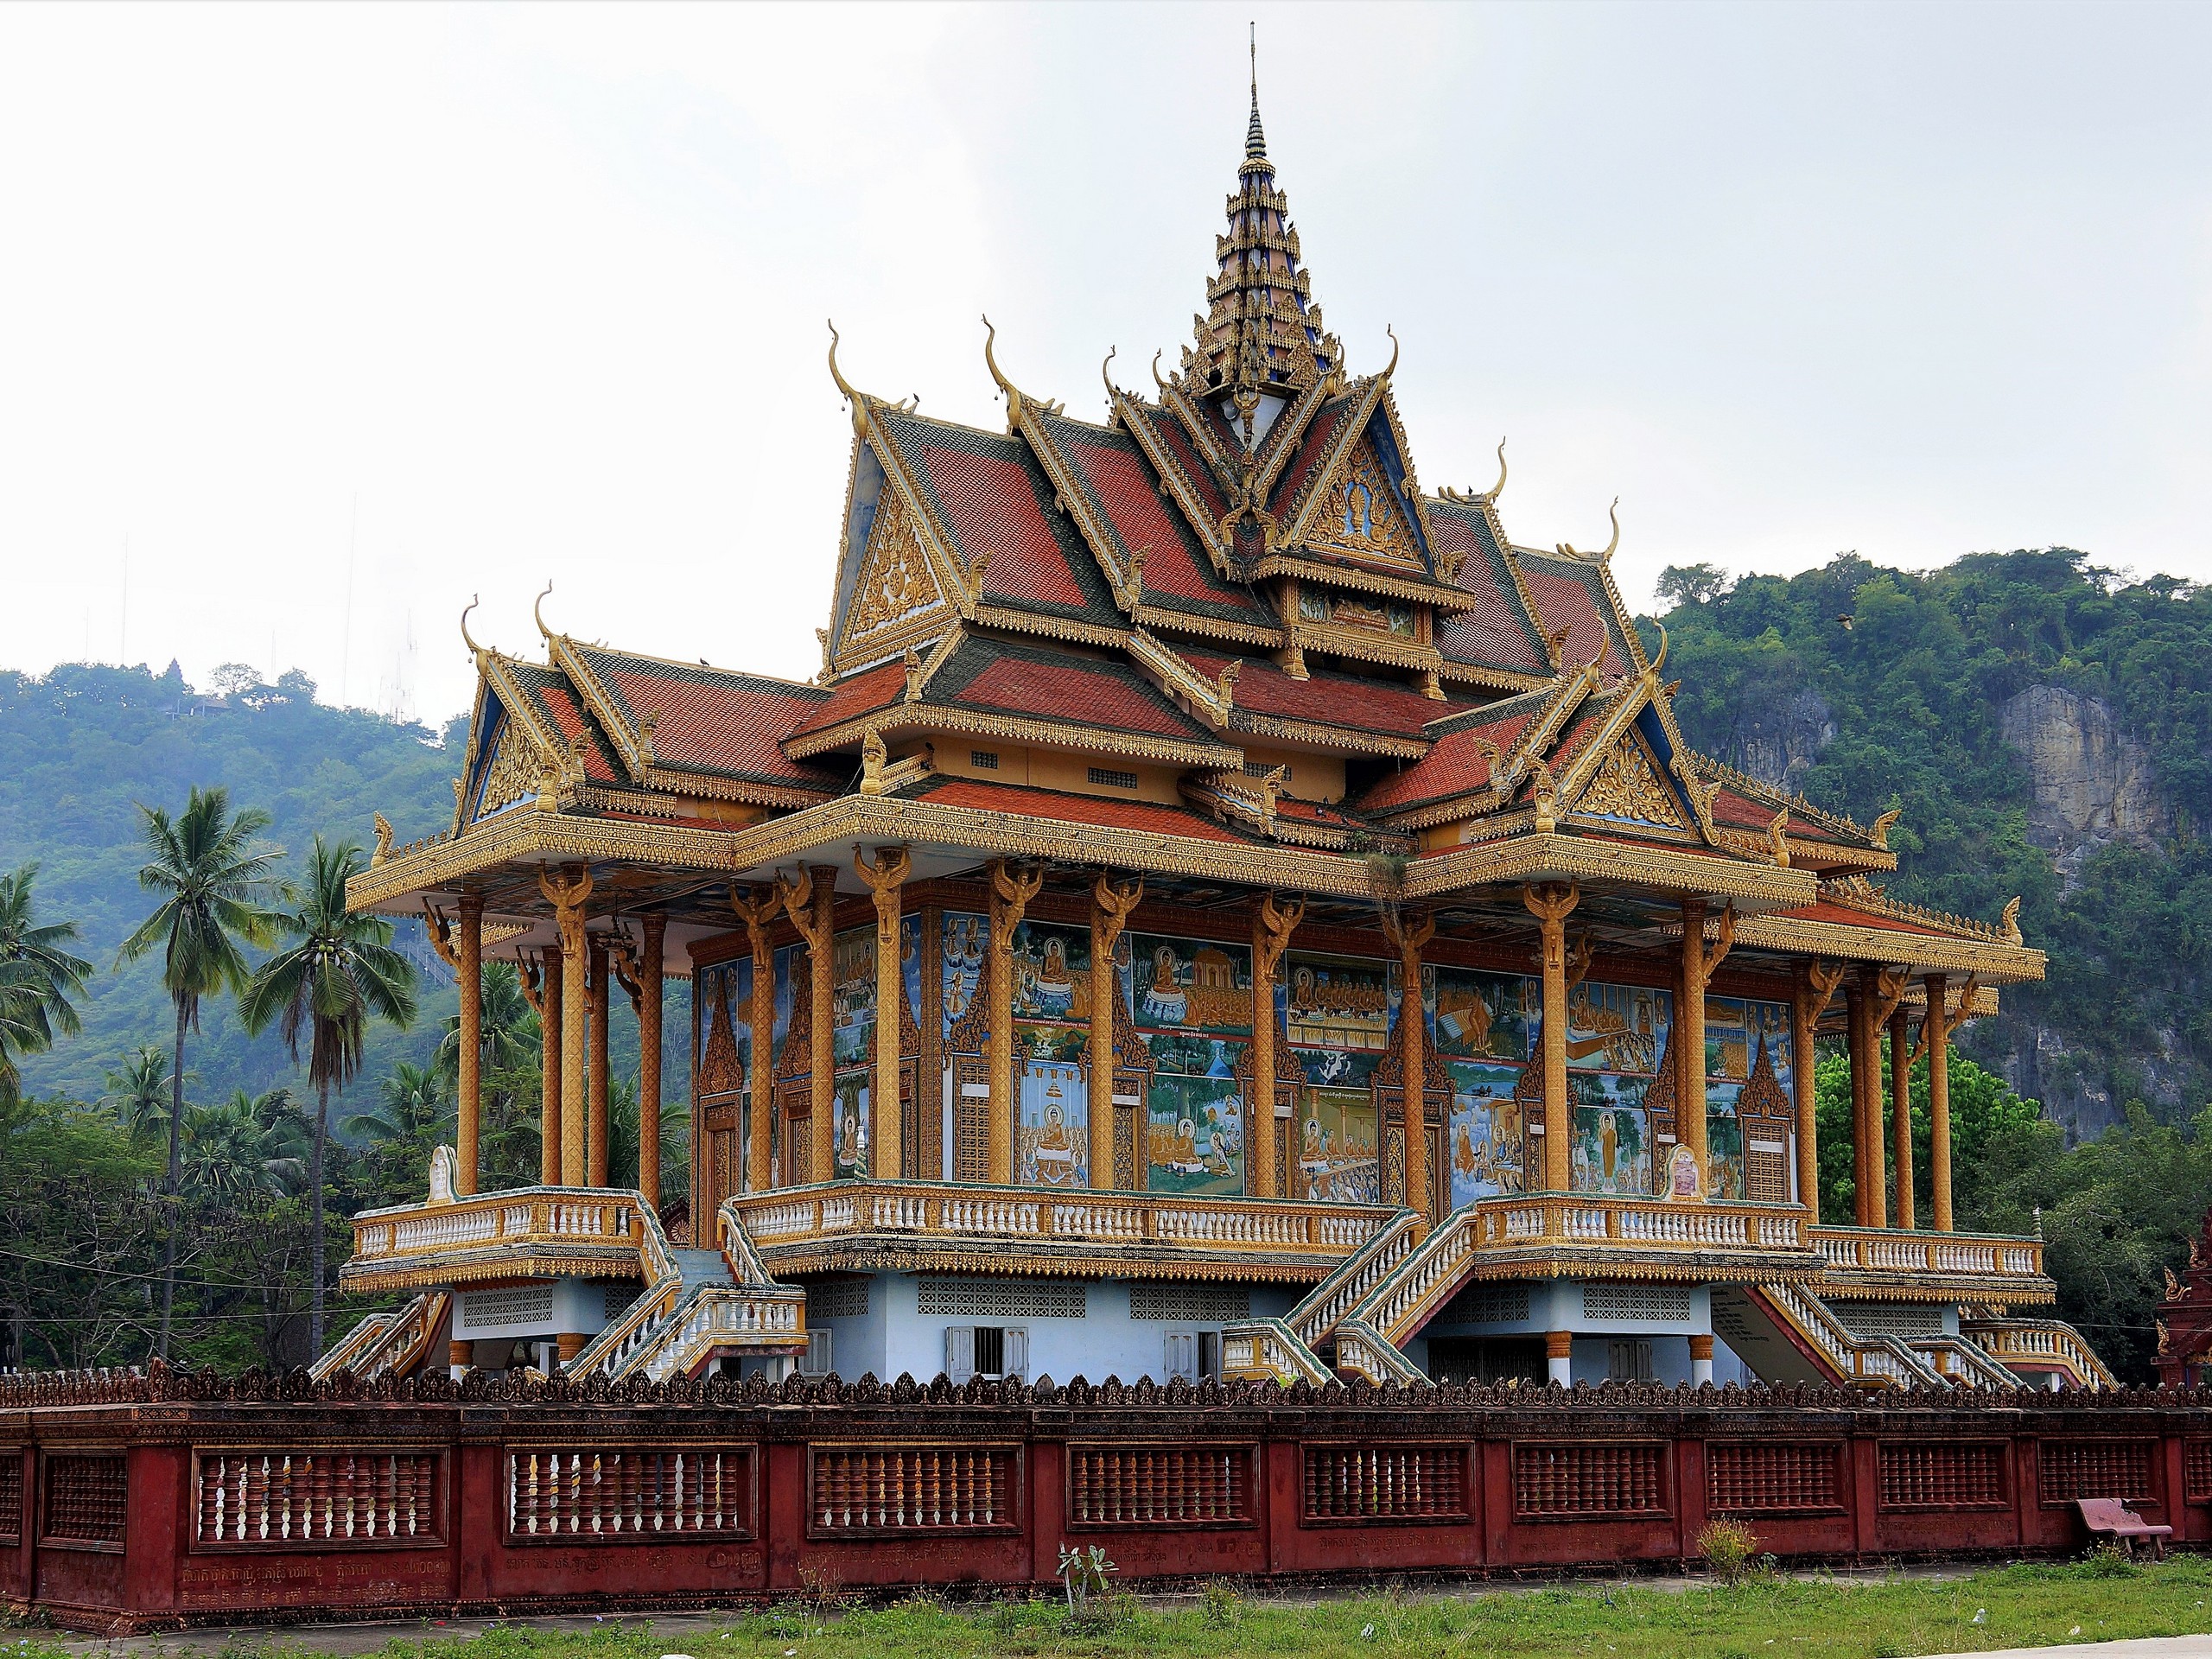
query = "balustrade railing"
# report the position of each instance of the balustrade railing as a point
(530, 1215)
(1654, 1224)
(799, 1215)
(1881, 1250)
(2039, 1343)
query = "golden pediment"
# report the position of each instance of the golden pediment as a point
(1363, 515)
(513, 774)
(895, 583)
(1627, 784)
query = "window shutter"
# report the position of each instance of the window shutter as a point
(816, 1361)
(959, 1352)
(1177, 1355)
(1017, 1352)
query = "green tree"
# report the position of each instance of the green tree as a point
(39, 977)
(138, 1092)
(413, 1113)
(338, 973)
(238, 1152)
(510, 1026)
(215, 884)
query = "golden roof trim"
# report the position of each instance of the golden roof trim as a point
(1541, 856)
(1995, 962)
(1424, 590)
(1341, 444)
(903, 717)
(1183, 489)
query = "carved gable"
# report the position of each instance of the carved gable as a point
(895, 587)
(1362, 514)
(1627, 784)
(512, 773)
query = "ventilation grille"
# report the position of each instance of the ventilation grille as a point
(523, 1304)
(2074, 1469)
(1576, 1480)
(2197, 1470)
(1200, 1303)
(1657, 1303)
(1391, 1483)
(1158, 1486)
(836, 1299)
(857, 1490)
(291, 1498)
(1490, 1304)
(1941, 1477)
(1876, 1320)
(630, 1491)
(86, 1498)
(1107, 778)
(1771, 1477)
(983, 759)
(1004, 1299)
(11, 1492)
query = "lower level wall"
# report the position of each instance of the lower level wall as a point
(122, 1511)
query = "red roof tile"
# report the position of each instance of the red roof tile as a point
(1496, 631)
(856, 695)
(732, 726)
(1569, 596)
(566, 712)
(1170, 434)
(1313, 447)
(1038, 682)
(1456, 765)
(1350, 701)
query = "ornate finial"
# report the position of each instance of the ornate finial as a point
(474, 649)
(844, 388)
(538, 615)
(912, 665)
(991, 362)
(1156, 380)
(1231, 673)
(1393, 368)
(1660, 661)
(1544, 797)
(384, 841)
(1256, 142)
(1112, 391)
(1614, 513)
(1779, 838)
(1883, 825)
(1498, 488)
(2012, 924)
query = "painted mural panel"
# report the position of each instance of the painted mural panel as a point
(790, 972)
(1724, 1141)
(1052, 1131)
(1195, 1140)
(852, 995)
(1337, 1149)
(966, 940)
(1612, 1134)
(1051, 971)
(848, 1142)
(1336, 1003)
(1485, 1016)
(1733, 1029)
(1616, 1027)
(725, 1032)
(1485, 1150)
(1189, 983)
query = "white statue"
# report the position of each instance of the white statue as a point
(443, 1164)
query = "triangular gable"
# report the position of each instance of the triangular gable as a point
(898, 583)
(514, 745)
(1494, 639)
(1628, 785)
(1183, 472)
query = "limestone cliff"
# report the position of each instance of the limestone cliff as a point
(2093, 783)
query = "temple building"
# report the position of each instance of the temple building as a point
(1223, 908)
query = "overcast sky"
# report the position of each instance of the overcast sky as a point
(335, 316)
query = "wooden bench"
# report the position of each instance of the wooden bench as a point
(2110, 1517)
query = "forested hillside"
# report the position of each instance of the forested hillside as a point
(2046, 728)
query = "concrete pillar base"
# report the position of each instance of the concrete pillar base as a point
(1700, 1360)
(572, 1344)
(1558, 1350)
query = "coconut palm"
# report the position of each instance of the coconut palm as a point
(510, 1025)
(138, 1089)
(236, 1152)
(38, 976)
(215, 884)
(338, 973)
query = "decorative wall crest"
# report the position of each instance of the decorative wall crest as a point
(1628, 785)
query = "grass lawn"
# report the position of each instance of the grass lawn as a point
(1766, 1617)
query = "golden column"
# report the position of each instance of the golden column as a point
(1901, 1114)
(469, 1085)
(1272, 926)
(1864, 1184)
(541, 984)
(649, 974)
(1698, 965)
(810, 901)
(1816, 984)
(1110, 904)
(567, 895)
(1885, 992)
(884, 878)
(1010, 896)
(1410, 933)
(1936, 1032)
(756, 910)
(595, 1084)
(1551, 903)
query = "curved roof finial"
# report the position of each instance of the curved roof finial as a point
(1614, 513)
(991, 362)
(1156, 380)
(474, 649)
(538, 614)
(1392, 333)
(1660, 661)
(844, 386)
(1498, 488)
(1112, 391)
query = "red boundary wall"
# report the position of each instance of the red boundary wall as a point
(131, 1503)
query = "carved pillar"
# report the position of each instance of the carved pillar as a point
(567, 895)
(1816, 984)
(1110, 904)
(1884, 987)
(1410, 933)
(1936, 1032)
(469, 1085)
(1272, 926)
(756, 910)
(547, 1001)
(1698, 965)
(884, 878)
(1010, 896)
(1865, 1181)
(649, 1033)
(1700, 1360)
(1559, 1355)
(1901, 1114)
(810, 902)
(1551, 904)
(595, 1089)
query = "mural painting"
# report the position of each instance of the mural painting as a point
(1052, 1131)
(1734, 1026)
(1724, 1141)
(853, 996)
(967, 938)
(1484, 1147)
(850, 1137)
(1336, 1147)
(1616, 1027)
(1485, 1016)
(1335, 1002)
(1612, 1134)
(1195, 1138)
(1189, 983)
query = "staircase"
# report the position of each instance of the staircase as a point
(393, 1342)
(2033, 1350)
(1292, 1347)
(696, 1306)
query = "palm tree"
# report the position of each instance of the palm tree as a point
(234, 1153)
(510, 1025)
(38, 976)
(340, 972)
(411, 1106)
(139, 1091)
(215, 884)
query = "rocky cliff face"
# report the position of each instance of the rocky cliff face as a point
(1776, 738)
(2092, 783)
